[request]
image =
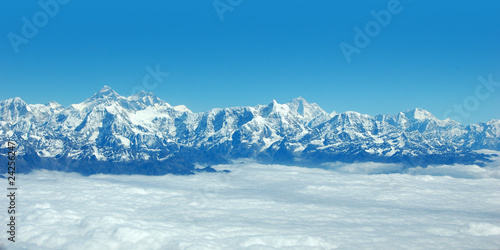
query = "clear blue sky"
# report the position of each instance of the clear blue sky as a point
(429, 55)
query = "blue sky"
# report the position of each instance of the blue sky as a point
(429, 55)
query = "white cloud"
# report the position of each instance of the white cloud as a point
(458, 171)
(257, 207)
(491, 170)
(364, 167)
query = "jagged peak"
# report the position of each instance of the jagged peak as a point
(14, 100)
(418, 114)
(53, 104)
(306, 109)
(182, 108)
(353, 116)
(352, 113)
(272, 105)
(299, 99)
(143, 93)
(13, 107)
(495, 122)
(298, 104)
(105, 92)
(105, 88)
(278, 106)
(148, 97)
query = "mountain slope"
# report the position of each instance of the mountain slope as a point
(109, 133)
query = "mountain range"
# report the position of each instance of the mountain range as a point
(141, 134)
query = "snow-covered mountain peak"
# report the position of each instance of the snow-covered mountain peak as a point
(105, 89)
(105, 93)
(11, 109)
(13, 101)
(142, 94)
(275, 108)
(143, 99)
(299, 99)
(495, 122)
(299, 105)
(42, 111)
(354, 115)
(494, 126)
(271, 106)
(419, 114)
(311, 113)
(53, 105)
(109, 127)
(182, 108)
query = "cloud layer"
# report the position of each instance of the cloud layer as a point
(258, 207)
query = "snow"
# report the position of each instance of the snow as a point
(378, 140)
(146, 116)
(114, 108)
(43, 153)
(307, 111)
(36, 137)
(149, 121)
(269, 141)
(182, 108)
(79, 106)
(392, 152)
(259, 207)
(421, 114)
(317, 142)
(53, 105)
(124, 141)
(74, 153)
(299, 149)
(94, 136)
(98, 155)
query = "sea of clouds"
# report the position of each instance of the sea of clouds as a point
(345, 206)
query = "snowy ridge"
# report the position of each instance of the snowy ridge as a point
(144, 130)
